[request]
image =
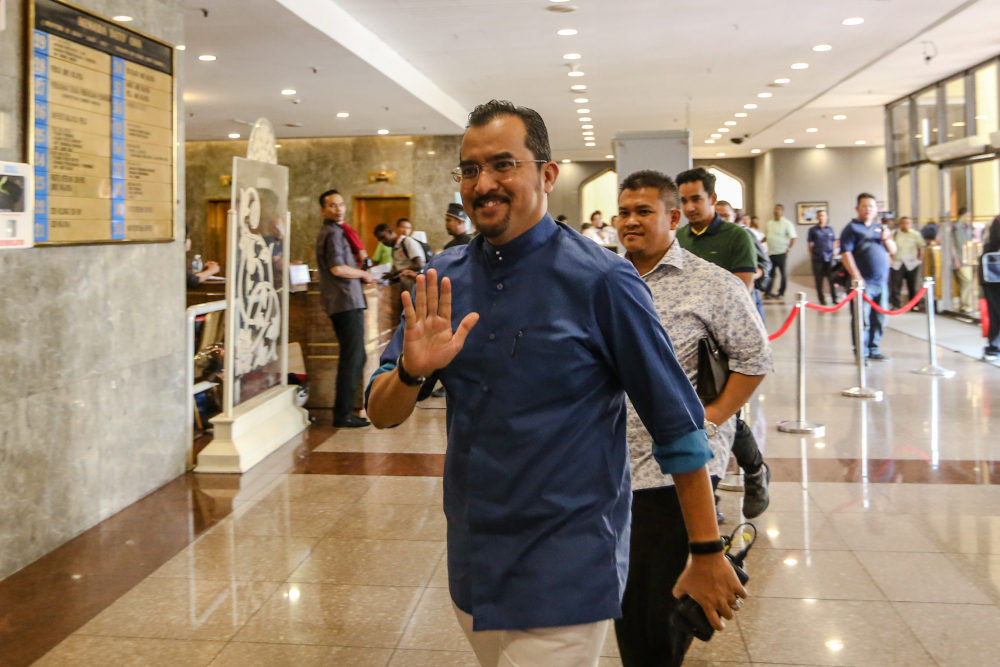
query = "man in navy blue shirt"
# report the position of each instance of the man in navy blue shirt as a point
(537, 334)
(822, 240)
(865, 245)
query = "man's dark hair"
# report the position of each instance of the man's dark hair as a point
(382, 229)
(595, 214)
(725, 203)
(647, 178)
(962, 211)
(561, 218)
(698, 174)
(865, 195)
(322, 197)
(401, 221)
(536, 138)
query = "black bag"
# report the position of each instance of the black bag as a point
(713, 370)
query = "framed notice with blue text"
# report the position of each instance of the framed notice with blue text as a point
(103, 140)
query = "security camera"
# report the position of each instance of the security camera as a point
(736, 140)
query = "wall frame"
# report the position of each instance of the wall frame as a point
(806, 212)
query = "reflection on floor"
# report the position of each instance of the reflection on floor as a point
(881, 546)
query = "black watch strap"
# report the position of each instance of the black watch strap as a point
(406, 378)
(706, 548)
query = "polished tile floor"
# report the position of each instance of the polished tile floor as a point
(881, 546)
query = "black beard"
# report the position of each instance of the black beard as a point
(496, 230)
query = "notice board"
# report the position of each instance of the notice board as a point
(103, 132)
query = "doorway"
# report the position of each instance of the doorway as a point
(216, 215)
(372, 211)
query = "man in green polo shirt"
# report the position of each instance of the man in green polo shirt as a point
(730, 246)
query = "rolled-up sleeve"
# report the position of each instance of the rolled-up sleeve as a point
(643, 358)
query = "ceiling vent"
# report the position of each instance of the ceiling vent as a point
(293, 124)
(561, 9)
(953, 150)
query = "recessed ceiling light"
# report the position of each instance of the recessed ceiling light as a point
(409, 143)
(789, 141)
(431, 153)
(180, 47)
(576, 72)
(583, 110)
(835, 645)
(716, 136)
(383, 131)
(122, 19)
(860, 142)
(822, 47)
(571, 56)
(749, 106)
(206, 58)
(763, 95)
(610, 157)
(288, 91)
(723, 129)
(234, 135)
(720, 155)
(587, 127)
(578, 86)
(709, 141)
(853, 21)
(983, 117)
(343, 114)
(730, 122)
(565, 32)
(755, 151)
(811, 129)
(590, 143)
(581, 100)
(558, 0)
(840, 117)
(820, 146)
(741, 115)
(584, 119)
(588, 133)
(277, 145)
(782, 81)
(800, 66)
(958, 124)
(567, 161)
(820, 445)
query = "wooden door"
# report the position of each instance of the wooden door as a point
(216, 213)
(370, 212)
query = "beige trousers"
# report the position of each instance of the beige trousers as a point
(965, 280)
(567, 646)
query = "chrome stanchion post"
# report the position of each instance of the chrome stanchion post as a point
(862, 390)
(801, 425)
(932, 368)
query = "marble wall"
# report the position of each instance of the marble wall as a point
(92, 397)
(342, 163)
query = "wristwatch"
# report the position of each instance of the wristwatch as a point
(711, 427)
(406, 378)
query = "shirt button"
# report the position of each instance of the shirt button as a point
(493, 336)
(486, 388)
(499, 285)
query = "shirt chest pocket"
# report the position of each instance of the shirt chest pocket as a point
(549, 362)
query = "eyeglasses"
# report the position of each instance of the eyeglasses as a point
(500, 170)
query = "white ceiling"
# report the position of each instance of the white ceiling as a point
(649, 64)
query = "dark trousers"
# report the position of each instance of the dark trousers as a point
(349, 326)
(745, 449)
(778, 262)
(657, 557)
(873, 322)
(823, 271)
(896, 279)
(992, 293)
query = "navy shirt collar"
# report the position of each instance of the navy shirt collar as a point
(714, 226)
(510, 252)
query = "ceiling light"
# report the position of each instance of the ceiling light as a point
(343, 114)
(820, 445)
(741, 115)
(567, 161)
(835, 645)
(584, 119)
(958, 124)
(720, 155)
(578, 86)
(822, 47)
(723, 129)
(763, 95)
(853, 21)
(730, 122)
(811, 129)
(576, 73)
(383, 131)
(772, 533)
(755, 151)
(789, 141)
(709, 141)
(749, 106)
(122, 19)
(288, 91)
(565, 32)
(583, 110)
(581, 100)
(431, 153)
(409, 143)
(716, 136)
(206, 58)
(791, 561)
(610, 157)
(800, 66)
(277, 145)
(590, 143)
(782, 81)
(234, 135)
(587, 127)
(840, 117)
(180, 47)
(860, 142)
(588, 133)
(558, 0)
(571, 56)
(983, 117)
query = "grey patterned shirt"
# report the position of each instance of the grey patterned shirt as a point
(694, 297)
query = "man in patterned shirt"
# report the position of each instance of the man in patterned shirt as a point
(694, 299)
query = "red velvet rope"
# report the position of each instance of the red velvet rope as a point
(833, 309)
(788, 323)
(905, 309)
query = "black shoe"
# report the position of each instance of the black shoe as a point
(438, 393)
(755, 495)
(352, 422)
(991, 354)
(878, 356)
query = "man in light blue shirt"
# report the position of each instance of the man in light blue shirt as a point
(780, 235)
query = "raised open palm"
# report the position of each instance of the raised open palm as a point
(428, 341)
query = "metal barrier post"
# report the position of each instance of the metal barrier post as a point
(801, 425)
(862, 390)
(932, 368)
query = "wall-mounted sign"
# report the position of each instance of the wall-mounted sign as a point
(17, 205)
(103, 99)
(381, 177)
